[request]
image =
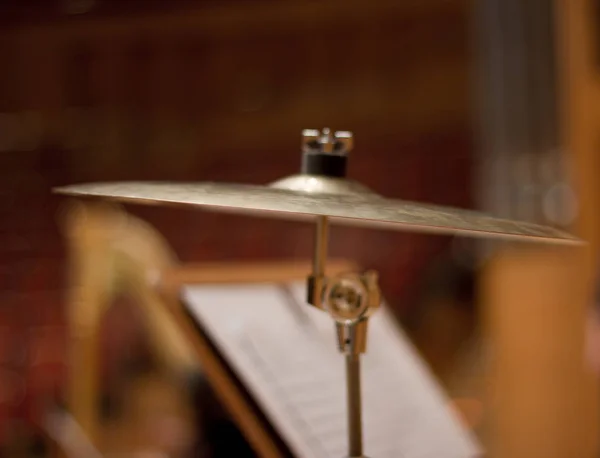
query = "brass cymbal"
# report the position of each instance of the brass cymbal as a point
(322, 189)
(303, 197)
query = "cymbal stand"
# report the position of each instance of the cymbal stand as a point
(350, 299)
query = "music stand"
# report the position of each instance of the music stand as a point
(102, 260)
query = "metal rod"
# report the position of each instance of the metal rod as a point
(355, 447)
(321, 236)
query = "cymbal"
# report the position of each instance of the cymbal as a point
(322, 189)
(303, 197)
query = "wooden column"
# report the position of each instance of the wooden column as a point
(577, 25)
(541, 401)
(542, 396)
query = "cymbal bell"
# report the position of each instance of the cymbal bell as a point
(321, 190)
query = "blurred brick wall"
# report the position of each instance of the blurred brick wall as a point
(243, 90)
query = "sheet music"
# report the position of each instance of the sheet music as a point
(285, 352)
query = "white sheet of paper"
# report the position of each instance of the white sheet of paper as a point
(285, 353)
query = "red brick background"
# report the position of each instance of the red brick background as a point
(400, 84)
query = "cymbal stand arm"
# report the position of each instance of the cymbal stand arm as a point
(321, 245)
(316, 280)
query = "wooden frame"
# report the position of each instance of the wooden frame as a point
(110, 249)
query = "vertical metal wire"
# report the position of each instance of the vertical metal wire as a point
(516, 105)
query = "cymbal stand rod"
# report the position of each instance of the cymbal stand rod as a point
(321, 239)
(349, 299)
(355, 446)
